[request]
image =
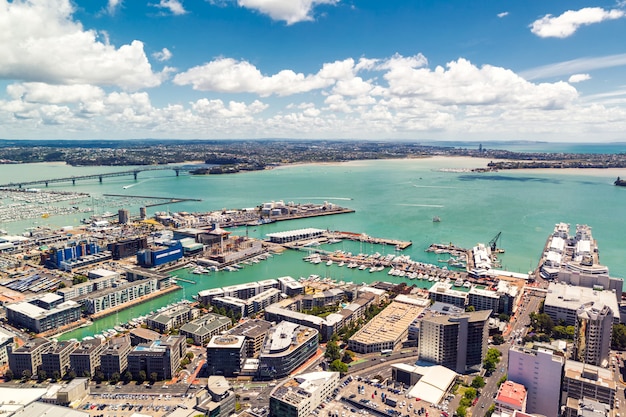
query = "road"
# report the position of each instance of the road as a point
(519, 325)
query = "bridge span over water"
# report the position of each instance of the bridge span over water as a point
(134, 172)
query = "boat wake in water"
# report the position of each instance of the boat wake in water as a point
(422, 205)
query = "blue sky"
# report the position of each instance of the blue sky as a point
(370, 69)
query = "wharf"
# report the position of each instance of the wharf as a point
(168, 200)
(362, 237)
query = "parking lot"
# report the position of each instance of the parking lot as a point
(358, 396)
(123, 405)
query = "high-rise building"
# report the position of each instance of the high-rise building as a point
(540, 370)
(114, 358)
(161, 356)
(225, 355)
(123, 216)
(592, 339)
(582, 381)
(85, 359)
(458, 342)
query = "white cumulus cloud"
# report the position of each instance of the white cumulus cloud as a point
(568, 23)
(40, 42)
(576, 78)
(113, 6)
(503, 14)
(227, 75)
(163, 55)
(175, 7)
(289, 11)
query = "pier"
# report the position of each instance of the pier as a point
(170, 200)
(99, 177)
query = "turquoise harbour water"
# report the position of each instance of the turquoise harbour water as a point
(393, 199)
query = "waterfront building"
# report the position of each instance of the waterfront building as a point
(287, 346)
(127, 247)
(226, 355)
(95, 284)
(582, 381)
(114, 358)
(28, 356)
(237, 306)
(255, 332)
(290, 286)
(540, 370)
(205, 327)
(563, 302)
(387, 330)
(299, 396)
(446, 292)
(160, 255)
(458, 342)
(221, 399)
(73, 254)
(85, 359)
(172, 318)
(140, 335)
(161, 356)
(54, 314)
(295, 235)
(57, 359)
(6, 342)
(575, 260)
(329, 297)
(509, 295)
(205, 297)
(511, 397)
(100, 301)
(138, 274)
(593, 332)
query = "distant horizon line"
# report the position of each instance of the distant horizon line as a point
(315, 140)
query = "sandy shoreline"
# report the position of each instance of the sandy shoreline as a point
(467, 162)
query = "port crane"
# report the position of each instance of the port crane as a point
(493, 244)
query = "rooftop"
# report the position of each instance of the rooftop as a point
(512, 393)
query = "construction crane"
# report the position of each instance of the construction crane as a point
(493, 244)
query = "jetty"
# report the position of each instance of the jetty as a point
(168, 200)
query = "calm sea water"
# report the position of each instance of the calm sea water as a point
(392, 199)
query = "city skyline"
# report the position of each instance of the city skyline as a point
(312, 69)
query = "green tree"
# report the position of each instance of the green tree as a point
(332, 351)
(498, 339)
(465, 402)
(348, 356)
(504, 317)
(338, 366)
(56, 375)
(478, 382)
(461, 411)
(154, 377)
(127, 377)
(115, 378)
(189, 341)
(26, 374)
(70, 375)
(42, 375)
(618, 338)
(502, 380)
(99, 376)
(470, 393)
(189, 355)
(490, 410)
(141, 376)
(8, 375)
(470, 309)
